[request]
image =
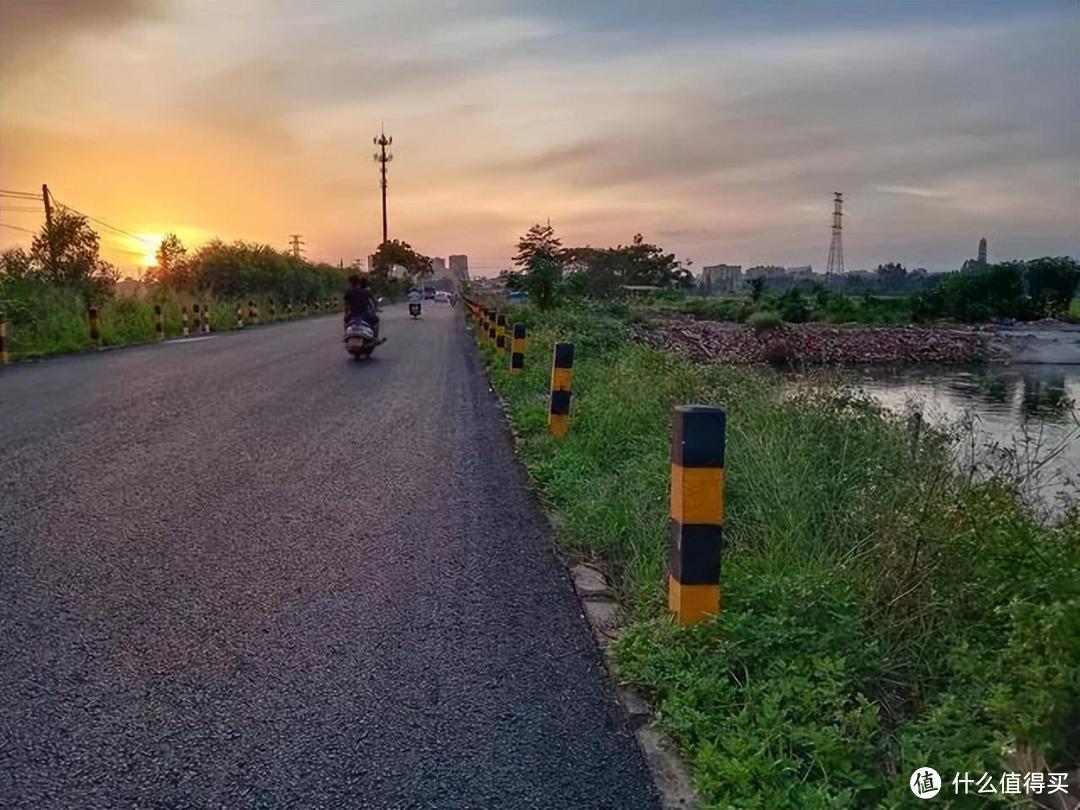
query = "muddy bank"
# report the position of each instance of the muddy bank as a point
(816, 344)
(1049, 342)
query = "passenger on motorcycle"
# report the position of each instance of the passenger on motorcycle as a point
(360, 303)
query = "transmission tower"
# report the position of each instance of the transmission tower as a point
(382, 157)
(836, 249)
(297, 244)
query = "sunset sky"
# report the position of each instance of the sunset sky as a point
(717, 129)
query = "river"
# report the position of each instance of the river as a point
(1025, 419)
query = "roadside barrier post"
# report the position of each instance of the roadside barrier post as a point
(271, 312)
(206, 318)
(316, 304)
(288, 309)
(517, 349)
(95, 327)
(184, 321)
(239, 317)
(491, 326)
(196, 317)
(696, 526)
(253, 312)
(3, 339)
(304, 311)
(562, 370)
(159, 322)
(500, 332)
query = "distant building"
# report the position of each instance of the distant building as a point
(459, 268)
(982, 251)
(765, 271)
(803, 271)
(720, 278)
(438, 266)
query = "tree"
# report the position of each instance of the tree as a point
(172, 265)
(1051, 283)
(539, 240)
(757, 288)
(544, 274)
(16, 263)
(76, 247)
(608, 270)
(401, 253)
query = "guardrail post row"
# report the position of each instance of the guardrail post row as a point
(500, 332)
(562, 371)
(206, 318)
(3, 339)
(184, 321)
(517, 349)
(696, 526)
(95, 326)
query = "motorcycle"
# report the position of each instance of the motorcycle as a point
(359, 338)
(414, 309)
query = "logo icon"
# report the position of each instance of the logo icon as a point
(925, 783)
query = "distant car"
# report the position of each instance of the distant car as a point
(442, 297)
(517, 295)
(429, 293)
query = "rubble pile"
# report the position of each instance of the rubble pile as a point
(815, 344)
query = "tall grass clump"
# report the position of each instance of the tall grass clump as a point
(880, 613)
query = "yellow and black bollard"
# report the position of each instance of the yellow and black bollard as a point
(500, 332)
(184, 321)
(304, 310)
(562, 371)
(95, 327)
(491, 327)
(239, 317)
(195, 317)
(288, 309)
(316, 304)
(517, 349)
(206, 318)
(3, 339)
(270, 310)
(696, 534)
(159, 322)
(253, 312)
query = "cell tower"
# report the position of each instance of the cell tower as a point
(836, 249)
(382, 157)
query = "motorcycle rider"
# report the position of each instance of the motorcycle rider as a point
(360, 303)
(415, 297)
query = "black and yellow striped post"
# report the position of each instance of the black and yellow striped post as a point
(696, 526)
(239, 317)
(159, 322)
(205, 318)
(517, 349)
(562, 372)
(288, 309)
(303, 310)
(3, 339)
(500, 332)
(491, 326)
(253, 312)
(316, 304)
(95, 326)
(196, 317)
(271, 310)
(184, 321)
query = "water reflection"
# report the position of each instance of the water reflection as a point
(1025, 418)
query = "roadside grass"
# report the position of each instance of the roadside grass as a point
(879, 613)
(45, 319)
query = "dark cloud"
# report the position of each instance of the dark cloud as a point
(33, 30)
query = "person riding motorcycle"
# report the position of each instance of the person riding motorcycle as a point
(414, 296)
(360, 303)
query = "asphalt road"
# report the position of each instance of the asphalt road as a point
(248, 571)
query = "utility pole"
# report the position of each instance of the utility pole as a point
(49, 225)
(295, 241)
(836, 248)
(382, 157)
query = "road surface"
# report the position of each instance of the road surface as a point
(247, 571)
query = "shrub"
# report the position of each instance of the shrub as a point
(765, 321)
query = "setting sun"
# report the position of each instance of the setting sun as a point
(146, 245)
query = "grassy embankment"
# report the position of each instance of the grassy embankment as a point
(45, 319)
(880, 613)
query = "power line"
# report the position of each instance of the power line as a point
(4, 192)
(22, 208)
(104, 223)
(17, 228)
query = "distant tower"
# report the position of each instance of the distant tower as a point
(382, 157)
(982, 251)
(835, 265)
(297, 244)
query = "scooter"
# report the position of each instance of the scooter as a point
(359, 338)
(414, 309)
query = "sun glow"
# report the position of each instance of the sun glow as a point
(146, 246)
